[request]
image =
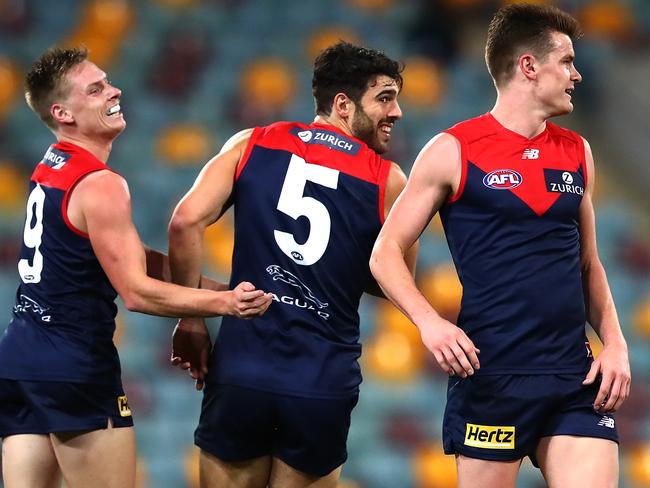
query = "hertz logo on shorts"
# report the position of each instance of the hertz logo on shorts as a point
(490, 437)
(123, 406)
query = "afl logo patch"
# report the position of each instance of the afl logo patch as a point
(502, 179)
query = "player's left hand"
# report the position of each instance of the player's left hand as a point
(613, 366)
(191, 346)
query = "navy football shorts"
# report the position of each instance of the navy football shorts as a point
(43, 407)
(308, 434)
(503, 417)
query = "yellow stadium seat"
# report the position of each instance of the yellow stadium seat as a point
(423, 83)
(390, 318)
(109, 16)
(641, 318)
(392, 357)
(219, 243)
(269, 82)
(443, 290)
(607, 18)
(637, 466)
(327, 36)
(103, 26)
(432, 468)
(12, 189)
(10, 85)
(184, 144)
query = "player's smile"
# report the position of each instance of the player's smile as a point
(114, 110)
(385, 128)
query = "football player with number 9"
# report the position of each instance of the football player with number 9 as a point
(63, 411)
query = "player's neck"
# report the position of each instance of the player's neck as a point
(518, 112)
(335, 121)
(99, 148)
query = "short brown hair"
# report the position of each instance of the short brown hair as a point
(45, 82)
(520, 28)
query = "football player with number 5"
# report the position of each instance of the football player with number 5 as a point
(309, 200)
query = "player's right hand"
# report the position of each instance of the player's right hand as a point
(191, 348)
(453, 350)
(247, 302)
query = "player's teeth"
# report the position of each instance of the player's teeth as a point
(114, 109)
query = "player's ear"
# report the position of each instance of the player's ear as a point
(61, 114)
(342, 106)
(528, 66)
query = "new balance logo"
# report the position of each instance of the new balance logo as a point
(530, 154)
(606, 422)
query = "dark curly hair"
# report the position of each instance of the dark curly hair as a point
(346, 68)
(46, 80)
(522, 27)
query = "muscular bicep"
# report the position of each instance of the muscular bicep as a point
(106, 205)
(210, 196)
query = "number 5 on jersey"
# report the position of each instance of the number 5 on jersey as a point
(293, 203)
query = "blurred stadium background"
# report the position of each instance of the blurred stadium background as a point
(194, 72)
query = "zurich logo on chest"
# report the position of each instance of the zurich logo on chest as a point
(502, 179)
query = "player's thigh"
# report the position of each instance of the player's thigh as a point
(28, 461)
(573, 462)
(481, 473)
(216, 473)
(312, 433)
(284, 476)
(102, 458)
(494, 417)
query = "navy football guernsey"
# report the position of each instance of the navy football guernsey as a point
(308, 207)
(512, 228)
(64, 315)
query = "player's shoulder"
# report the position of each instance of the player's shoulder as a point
(556, 131)
(474, 129)
(280, 134)
(102, 184)
(568, 139)
(281, 127)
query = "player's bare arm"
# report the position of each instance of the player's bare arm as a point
(435, 176)
(394, 185)
(107, 221)
(195, 331)
(158, 268)
(612, 364)
(205, 202)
